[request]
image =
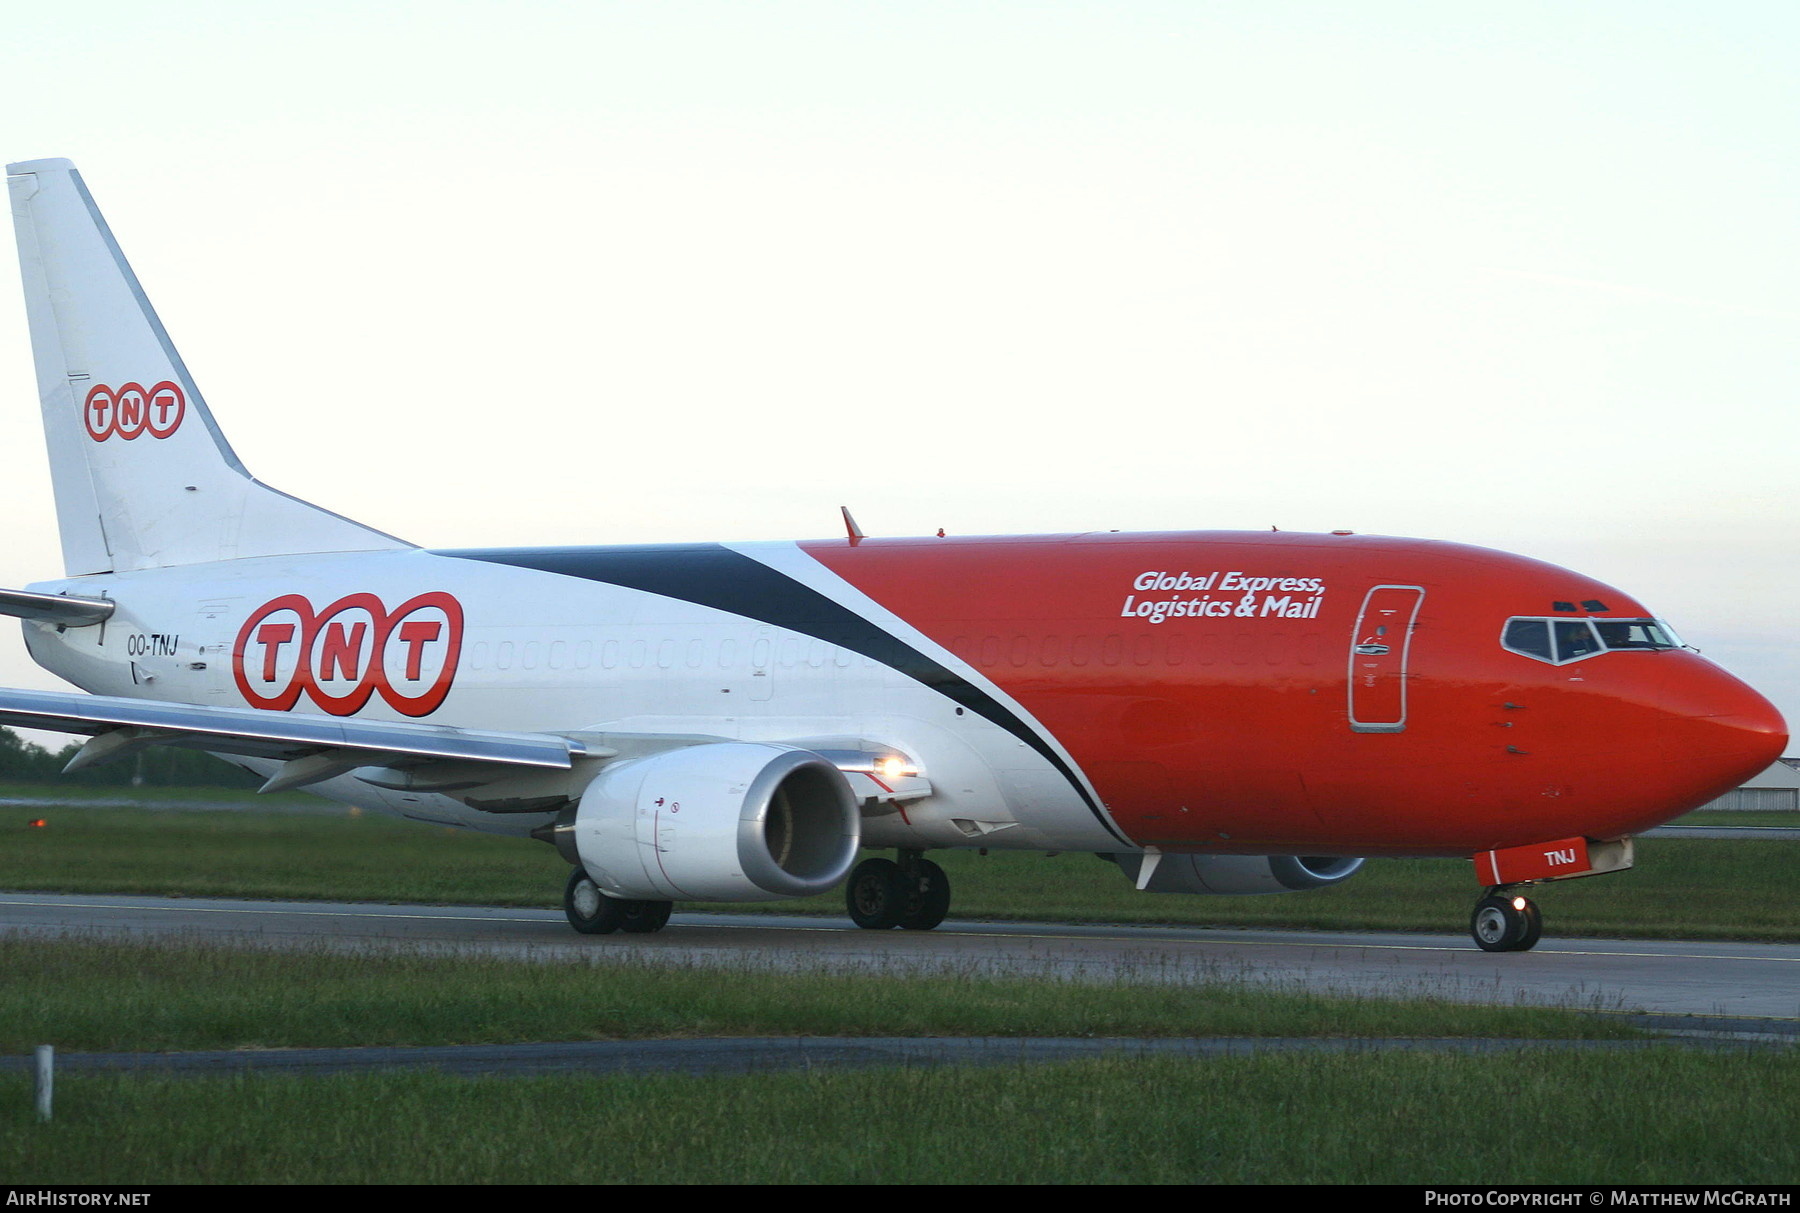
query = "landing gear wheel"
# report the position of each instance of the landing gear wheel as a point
(1505, 923)
(927, 896)
(645, 917)
(876, 894)
(1534, 926)
(588, 909)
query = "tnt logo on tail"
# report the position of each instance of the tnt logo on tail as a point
(131, 409)
(343, 654)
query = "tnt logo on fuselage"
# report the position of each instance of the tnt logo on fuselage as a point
(343, 654)
(132, 409)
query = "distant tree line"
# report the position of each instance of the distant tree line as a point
(22, 761)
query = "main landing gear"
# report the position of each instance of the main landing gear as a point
(594, 913)
(913, 894)
(1505, 922)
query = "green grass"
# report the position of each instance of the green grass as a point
(1663, 1116)
(333, 855)
(1681, 888)
(77, 794)
(1658, 1117)
(132, 996)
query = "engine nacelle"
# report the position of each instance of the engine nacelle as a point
(729, 821)
(1239, 875)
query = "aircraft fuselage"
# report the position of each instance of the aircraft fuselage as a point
(1205, 692)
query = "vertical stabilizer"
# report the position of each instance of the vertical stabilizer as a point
(143, 477)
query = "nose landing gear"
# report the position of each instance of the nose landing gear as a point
(1505, 922)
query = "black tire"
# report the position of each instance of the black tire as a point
(1534, 927)
(645, 917)
(588, 909)
(1497, 926)
(875, 894)
(927, 897)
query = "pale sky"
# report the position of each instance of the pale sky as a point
(1517, 275)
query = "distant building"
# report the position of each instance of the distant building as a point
(1776, 788)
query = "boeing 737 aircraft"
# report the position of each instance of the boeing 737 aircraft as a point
(1212, 712)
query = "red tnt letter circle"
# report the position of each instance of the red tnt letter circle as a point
(261, 641)
(131, 410)
(99, 412)
(334, 652)
(165, 409)
(421, 633)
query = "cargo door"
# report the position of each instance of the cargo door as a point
(1378, 654)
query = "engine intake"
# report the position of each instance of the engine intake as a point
(729, 821)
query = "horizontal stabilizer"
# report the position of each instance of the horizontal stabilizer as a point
(64, 609)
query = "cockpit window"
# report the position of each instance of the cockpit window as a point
(1530, 637)
(1560, 641)
(1635, 634)
(1574, 640)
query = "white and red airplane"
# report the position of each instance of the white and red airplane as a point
(1214, 712)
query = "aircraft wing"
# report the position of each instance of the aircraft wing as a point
(495, 772)
(312, 748)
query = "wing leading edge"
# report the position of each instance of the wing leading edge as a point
(311, 748)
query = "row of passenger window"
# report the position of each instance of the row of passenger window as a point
(667, 654)
(1206, 648)
(1560, 641)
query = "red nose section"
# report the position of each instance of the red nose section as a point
(1718, 733)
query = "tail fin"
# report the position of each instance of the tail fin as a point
(143, 477)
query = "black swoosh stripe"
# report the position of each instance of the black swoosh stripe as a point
(707, 574)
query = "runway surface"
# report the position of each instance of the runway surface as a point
(1728, 833)
(1667, 978)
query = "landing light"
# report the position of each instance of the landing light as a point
(891, 767)
(1519, 903)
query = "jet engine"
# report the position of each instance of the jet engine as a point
(726, 821)
(1239, 874)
